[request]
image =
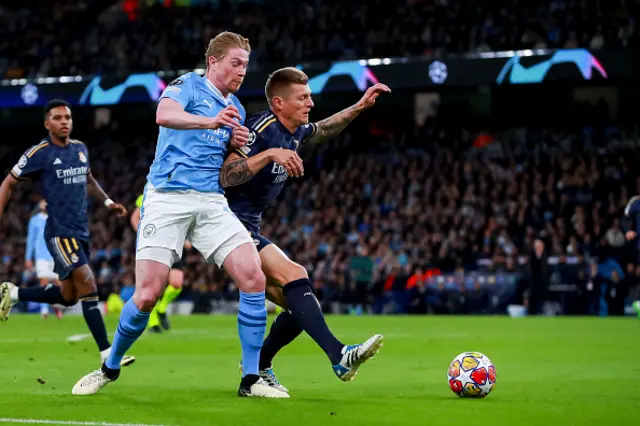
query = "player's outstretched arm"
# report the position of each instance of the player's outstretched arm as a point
(237, 170)
(5, 191)
(332, 126)
(172, 115)
(95, 190)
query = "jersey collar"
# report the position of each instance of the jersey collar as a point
(282, 126)
(51, 143)
(217, 93)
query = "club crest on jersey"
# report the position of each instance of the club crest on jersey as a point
(149, 230)
(74, 258)
(82, 157)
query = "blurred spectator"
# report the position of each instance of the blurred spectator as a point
(69, 37)
(539, 276)
(391, 224)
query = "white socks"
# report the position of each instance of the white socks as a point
(105, 354)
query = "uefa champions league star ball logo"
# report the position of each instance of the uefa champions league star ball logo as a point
(252, 137)
(438, 72)
(29, 94)
(22, 162)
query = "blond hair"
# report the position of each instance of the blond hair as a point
(281, 79)
(220, 45)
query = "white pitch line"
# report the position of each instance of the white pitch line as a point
(66, 422)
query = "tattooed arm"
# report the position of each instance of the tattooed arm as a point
(237, 170)
(332, 126)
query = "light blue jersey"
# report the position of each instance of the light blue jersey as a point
(192, 159)
(36, 243)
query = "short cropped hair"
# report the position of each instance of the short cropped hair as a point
(281, 79)
(54, 103)
(220, 45)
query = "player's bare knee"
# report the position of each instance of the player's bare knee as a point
(254, 281)
(176, 278)
(292, 272)
(89, 283)
(83, 282)
(149, 289)
(145, 299)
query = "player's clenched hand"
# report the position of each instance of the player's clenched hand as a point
(227, 118)
(288, 159)
(120, 210)
(239, 137)
(370, 96)
(631, 235)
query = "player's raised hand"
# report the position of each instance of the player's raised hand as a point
(288, 159)
(118, 208)
(239, 137)
(369, 98)
(228, 117)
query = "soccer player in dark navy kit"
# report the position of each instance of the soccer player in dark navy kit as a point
(62, 166)
(253, 176)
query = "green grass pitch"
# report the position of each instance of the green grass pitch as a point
(550, 371)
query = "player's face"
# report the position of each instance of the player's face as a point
(231, 69)
(43, 206)
(297, 104)
(59, 122)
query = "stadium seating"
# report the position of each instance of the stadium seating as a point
(125, 38)
(415, 210)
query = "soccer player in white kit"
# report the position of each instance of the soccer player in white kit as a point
(183, 199)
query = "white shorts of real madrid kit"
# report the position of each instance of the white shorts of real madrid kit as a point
(168, 218)
(44, 269)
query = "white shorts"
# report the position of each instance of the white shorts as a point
(168, 218)
(44, 269)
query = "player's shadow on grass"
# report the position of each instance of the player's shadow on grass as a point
(438, 397)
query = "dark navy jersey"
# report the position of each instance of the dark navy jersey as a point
(63, 174)
(249, 200)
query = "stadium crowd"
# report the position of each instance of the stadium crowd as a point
(49, 38)
(400, 208)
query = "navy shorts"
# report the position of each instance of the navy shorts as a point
(68, 255)
(260, 241)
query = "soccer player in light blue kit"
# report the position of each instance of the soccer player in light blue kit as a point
(184, 200)
(37, 254)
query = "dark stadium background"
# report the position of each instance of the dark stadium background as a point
(512, 123)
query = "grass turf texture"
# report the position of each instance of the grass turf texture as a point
(550, 371)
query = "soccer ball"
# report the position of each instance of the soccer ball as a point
(471, 375)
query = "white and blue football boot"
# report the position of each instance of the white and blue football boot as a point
(269, 377)
(353, 356)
